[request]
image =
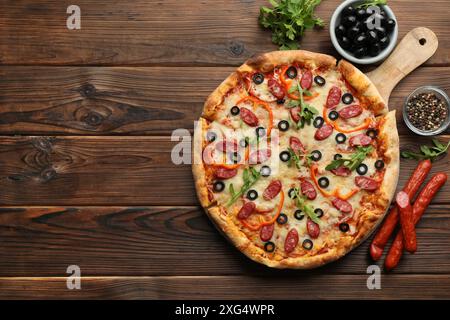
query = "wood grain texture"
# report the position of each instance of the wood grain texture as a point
(149, 241)
(115, 171)
(172, 32)
(131, 101)
(230, 287)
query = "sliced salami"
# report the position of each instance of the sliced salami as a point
(272, 190)
(323, 132)
(259, 156)
(333, 98)
(367, 183)
(266, 232)
(313, 229)
(276, 89)
(360, 140)
(350, 111)
(291, 241)
(224, 173)
(342, 171)
(342, 205)
(295, 113)
(307, 79)
(308, 189)
(249, 117)
(246, 210)
(296, 145)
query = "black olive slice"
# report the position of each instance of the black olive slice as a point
(269, 246)
(324, 182)
(235, 110)
(318, 122)
(362, 169)
(344, 227)
(347, 98)
(316, 155)
(379, 164)
(291, 193)
(265, 171)
(299, 215)
(319, 213)
(340, 138)
(282, 218)
(283, 125)
(320, 81)
(258, 78)
(252, 195)
(373, 133)
(333, 115)
(243, 142)
(211, 136)
(235, 157)
(218, 186)
(285, 156)
(307, 244)
(260, 132)
(337, 156)
(281, 101)
(291, 72)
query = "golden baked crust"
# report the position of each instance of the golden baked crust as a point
(376, 204)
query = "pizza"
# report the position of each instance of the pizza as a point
(296, 158)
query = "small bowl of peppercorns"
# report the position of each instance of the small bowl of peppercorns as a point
(427, 111)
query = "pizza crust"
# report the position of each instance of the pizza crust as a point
(372, 215)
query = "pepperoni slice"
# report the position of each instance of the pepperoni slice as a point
(313, 229)
(223, 173)
(246, 210)
(308, 189)
(342, 171)
(291, 241)
(249, 117)
(295, 113)
(350, 111)
(272, 190)
(360, 140)
(277, 90)
(306, 81)
(296, 145)
(266, 232)
(367, 183)
(342, 205)
(259, 156)
(227, 146)
(334, 96)
(323, 132)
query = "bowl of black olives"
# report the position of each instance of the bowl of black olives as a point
(364, 32)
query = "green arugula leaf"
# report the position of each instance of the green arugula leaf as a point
(288, 20)
(371, 3)
(300, 202)
(353, 162)
(426, 152)
(250, 177)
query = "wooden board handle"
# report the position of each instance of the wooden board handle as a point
(416, 47)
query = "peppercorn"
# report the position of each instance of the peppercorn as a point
(426, 111)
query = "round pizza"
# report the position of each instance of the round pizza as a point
(296, 158)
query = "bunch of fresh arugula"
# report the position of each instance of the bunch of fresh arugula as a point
(288, 20)
(437, 149)
(296, 159)
(249, 176)
(300, 202)
(307, 111)
(353, 162)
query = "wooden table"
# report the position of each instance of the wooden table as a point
(86, 176)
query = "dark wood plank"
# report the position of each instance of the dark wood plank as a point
(230, 288)
(113, 171)
(137, 101)
(119, 241)
(172, 32)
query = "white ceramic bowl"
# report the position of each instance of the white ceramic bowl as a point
(336, 20)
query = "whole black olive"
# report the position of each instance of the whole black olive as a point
(353, 32)
(348, 21)
(235, 110)
(372, 36)
(218, 186)
(340, 31)
(361, 14)
(384, 42)
(360, 52)
(347, 11)
(345, 43)
(374, 49)
(390, 25)
(381, 32)
(265, 171)
(360, 40)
